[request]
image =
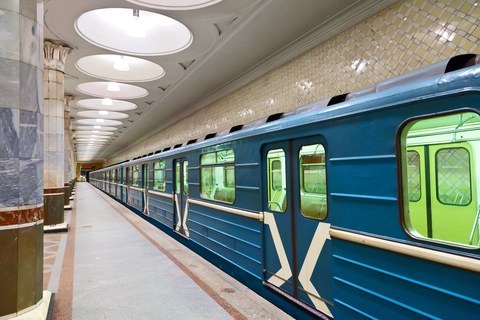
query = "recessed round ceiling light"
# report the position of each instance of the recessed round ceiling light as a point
(94, 122)
(89, 132)
(95, 127)
(106, 104)
(92, 139)
(133, 31)
(108, 89)
(90, 144)
(175, 4)
(102, 114)
(120, 68)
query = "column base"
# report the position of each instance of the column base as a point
(54, 200)
(38, 312)
(61, 227)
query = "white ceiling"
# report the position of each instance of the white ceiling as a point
(234, 42)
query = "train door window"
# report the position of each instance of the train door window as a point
(127, 175)
(277, 179)
(185, 177)
(313, 181)
(453, 176)
(440, 178)
(135, 176)
(217, 176)
(177, 176)
(413, 172)
(159, 175)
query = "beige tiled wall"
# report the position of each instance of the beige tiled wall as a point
(404, 37)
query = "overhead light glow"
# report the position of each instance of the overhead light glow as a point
(135, 27)
(107, 102)
(99, 120)
(103, 112)
(113, 86)
(147, 33)
(121, 64)
(97, 127)
(95, 131)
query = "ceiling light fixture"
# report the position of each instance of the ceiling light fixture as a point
(134, 27)
(121, 64)
(99, 120)
(113, 86)
(103, 113)
(97, 127)
(107, 102)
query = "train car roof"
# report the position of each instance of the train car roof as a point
(380, 96)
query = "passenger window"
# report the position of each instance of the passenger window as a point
(185, 177)
(217, 176)
(440, 177)
(453, 176)
(313, 183)
(127, 176)
(277, 177)
(159, 176)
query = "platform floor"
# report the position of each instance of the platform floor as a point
(112, 264)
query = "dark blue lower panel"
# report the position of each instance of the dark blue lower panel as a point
(375, 283)
(161, 209)
(136, 199)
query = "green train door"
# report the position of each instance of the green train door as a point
(442, 191)
(181, 196)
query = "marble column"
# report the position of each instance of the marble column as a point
(69, 163)
(54, 78)
(21, 156)
(55, 55)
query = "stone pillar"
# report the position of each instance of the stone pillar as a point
(69, 163)
(21, 156)
(54, 64)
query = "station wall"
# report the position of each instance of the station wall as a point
(408, 35)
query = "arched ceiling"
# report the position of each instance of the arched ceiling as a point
(232, 43)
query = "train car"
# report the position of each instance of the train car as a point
(362, 206)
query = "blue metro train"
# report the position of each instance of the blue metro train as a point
(362, 206)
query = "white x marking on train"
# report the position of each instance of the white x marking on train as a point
(311, 258)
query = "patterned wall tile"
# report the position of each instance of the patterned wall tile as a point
(408, 35)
